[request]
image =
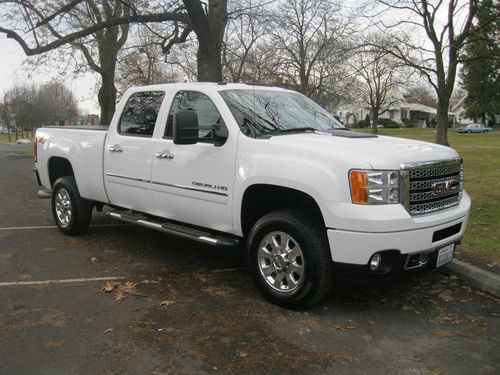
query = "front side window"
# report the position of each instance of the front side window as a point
(208, 115)
(260, 112)
(140, 114)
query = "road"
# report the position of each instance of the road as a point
(127, 300)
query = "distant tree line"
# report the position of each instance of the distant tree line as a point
(28, 106)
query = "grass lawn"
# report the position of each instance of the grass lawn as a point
(4, 138)
(481, 154)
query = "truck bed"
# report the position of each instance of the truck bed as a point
(83, 146)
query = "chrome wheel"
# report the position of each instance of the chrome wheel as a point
(281, 262)
(63, 208)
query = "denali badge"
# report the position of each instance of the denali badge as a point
(445, 187)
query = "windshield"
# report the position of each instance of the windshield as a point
(260, 112)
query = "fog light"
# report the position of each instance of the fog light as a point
(375, 262)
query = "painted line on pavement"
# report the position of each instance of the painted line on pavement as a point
(55, 227)
(62, 281)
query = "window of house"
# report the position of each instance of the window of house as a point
(207, 112)
(140, 114)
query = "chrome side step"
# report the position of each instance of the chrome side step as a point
(44, 194)
(176, 230)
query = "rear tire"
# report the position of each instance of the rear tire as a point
(71, 212)
(289, 259)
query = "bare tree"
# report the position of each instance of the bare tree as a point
(34, 106)
(421, 94)
(379, 79)
(244, 32)
(446, 25)
(307, 33)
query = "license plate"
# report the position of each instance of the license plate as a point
(445, 255)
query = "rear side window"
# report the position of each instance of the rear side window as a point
(140, 113)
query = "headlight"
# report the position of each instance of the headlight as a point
(372, 187)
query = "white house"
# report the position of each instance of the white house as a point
(400, 112)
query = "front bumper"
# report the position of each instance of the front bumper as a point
(352, 250)
(358, 247)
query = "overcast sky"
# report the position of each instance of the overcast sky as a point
(11, 71)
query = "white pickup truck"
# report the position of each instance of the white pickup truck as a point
(225, 164)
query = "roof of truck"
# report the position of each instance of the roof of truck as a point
(218, 86)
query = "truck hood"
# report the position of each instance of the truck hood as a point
(381, 152)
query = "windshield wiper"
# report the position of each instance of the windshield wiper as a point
(288, 130)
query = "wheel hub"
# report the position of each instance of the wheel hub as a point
(281, 262)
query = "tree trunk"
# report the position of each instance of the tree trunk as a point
(375, 122)
(442, 125)
(107, 98)
(209, 62)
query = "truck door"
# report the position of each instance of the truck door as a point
(194, 183)
(128, 152)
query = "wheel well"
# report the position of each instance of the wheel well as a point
(59, 167)
(261, 199)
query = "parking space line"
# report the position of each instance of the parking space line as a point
(55, 227)
(62, 281)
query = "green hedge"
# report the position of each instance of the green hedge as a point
(388, 123)
(410, 124)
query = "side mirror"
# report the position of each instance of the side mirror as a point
(185, 128)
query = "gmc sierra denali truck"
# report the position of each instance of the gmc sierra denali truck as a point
(225, 164)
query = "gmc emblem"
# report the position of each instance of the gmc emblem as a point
(445, 187)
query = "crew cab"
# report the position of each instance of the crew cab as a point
(264, 167)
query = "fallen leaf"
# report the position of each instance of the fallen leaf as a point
(167, 303)
(93, 259)
(442, 332)
(119, 295)
(345, 328)
(243, 354)
(128, 287)
(109, 286)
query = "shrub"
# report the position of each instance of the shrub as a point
(367, 120)
(388, 123)
(410, 124)
(362, 123)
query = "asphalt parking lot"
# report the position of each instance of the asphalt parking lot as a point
(127, 300)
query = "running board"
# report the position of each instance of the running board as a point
(176, 230)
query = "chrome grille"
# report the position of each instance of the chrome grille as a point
(432, 186)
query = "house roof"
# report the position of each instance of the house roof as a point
(423, 108)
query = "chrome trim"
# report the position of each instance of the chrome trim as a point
(431, 164)
(128, 178)
(409, 255)
(189, 188)
(44, 194)
(115, 148)
(166, 184)
(159, 227)
(427, 170)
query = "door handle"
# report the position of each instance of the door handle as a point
(115, 148)
(164, 155)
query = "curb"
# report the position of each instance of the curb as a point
(475, 276)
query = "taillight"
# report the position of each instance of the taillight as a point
(38, 139)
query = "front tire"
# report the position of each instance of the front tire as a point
(289, 259)
(71, 212)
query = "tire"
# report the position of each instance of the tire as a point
(71, 212)
(292, 279)
(469, 131)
